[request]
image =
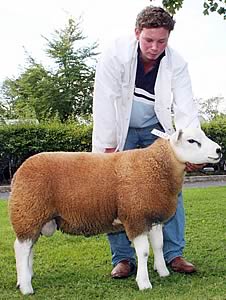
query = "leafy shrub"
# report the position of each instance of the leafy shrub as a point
(20, 141)
(216, 130)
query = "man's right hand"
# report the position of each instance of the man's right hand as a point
(109, 150)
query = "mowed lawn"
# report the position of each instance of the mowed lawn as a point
(68, 267)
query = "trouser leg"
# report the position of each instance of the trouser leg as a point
(173, 233)
(121, 248)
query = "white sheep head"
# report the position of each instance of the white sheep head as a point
(193, 146)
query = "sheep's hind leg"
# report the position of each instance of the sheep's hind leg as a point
(24, 260)
(156, 239)
(141, 245)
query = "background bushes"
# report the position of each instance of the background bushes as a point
(216, 130)
(18, 142)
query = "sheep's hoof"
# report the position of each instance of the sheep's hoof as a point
(144, 285)
(164, 273)
(26, 290)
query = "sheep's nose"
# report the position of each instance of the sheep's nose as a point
(218, 150)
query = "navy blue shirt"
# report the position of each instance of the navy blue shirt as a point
(143, 113)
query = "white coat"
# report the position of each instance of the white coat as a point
(114, 88)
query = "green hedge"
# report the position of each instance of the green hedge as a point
(18, 142)
(216, 130)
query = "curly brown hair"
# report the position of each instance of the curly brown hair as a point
(152, 16)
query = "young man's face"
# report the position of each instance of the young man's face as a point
(152, 41)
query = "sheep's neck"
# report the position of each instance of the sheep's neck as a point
(169, 162)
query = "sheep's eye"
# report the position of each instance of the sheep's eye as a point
(191, 141)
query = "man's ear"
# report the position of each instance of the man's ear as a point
(137, 33)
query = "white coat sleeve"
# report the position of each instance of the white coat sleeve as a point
(107, 91)
(185, 110)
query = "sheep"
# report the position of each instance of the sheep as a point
(95, 193)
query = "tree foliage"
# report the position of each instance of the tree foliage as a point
(209, 6)
(27, 96)
(218, 6)
(210, 107)
(65, 90)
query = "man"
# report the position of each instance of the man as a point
(135, 79)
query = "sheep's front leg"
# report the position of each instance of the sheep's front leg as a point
(30, 263)
(141, 245)
(24, 258)
(156, 239)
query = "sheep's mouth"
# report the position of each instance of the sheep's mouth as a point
(215, 158)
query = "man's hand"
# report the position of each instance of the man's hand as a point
(109, 150)
(193, 167)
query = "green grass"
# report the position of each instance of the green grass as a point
(68, 267)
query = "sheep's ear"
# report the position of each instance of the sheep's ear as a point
(179, 134)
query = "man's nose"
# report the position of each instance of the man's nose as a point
(154, 46)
